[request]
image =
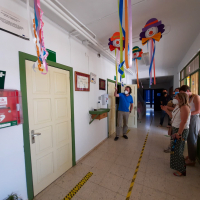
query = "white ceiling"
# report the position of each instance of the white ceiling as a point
(181, 18)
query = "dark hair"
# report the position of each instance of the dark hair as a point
(184, 88)
(129, 89)
(177, 88)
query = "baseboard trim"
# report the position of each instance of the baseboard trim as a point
(90, 151)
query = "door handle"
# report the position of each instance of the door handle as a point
(33, 134)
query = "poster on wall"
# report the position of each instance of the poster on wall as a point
(13, 23)
(93, 78)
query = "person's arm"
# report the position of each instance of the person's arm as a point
(131, 107)
(170, 108)
(184, 117)
(115, 93)
(197, 105)
(167, 111)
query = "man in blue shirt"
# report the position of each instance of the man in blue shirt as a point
(125, 101)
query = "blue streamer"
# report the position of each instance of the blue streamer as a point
(150, 67)
(119, 68)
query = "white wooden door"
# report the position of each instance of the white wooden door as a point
(111, 106)
(49, 114)
(132, 121)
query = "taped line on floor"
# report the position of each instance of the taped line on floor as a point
(78, 186)
(136, 170)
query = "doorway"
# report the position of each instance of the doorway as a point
(149, 98)
(55, 151)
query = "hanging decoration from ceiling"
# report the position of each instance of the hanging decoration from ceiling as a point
(127, 34)
(114, 44)
(38, 24)
(152, 32)
(137, 55)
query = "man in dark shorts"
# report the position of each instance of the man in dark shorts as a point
(163, 101)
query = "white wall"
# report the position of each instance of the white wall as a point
(194, 48)
(71, 53)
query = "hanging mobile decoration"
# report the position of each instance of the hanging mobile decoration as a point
(114, 44)
(137, 54)
(152, 32)
(38, 24)
(127, 34)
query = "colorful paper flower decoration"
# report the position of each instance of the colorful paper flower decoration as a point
(137, 54)
(152, 32)
(114, 42)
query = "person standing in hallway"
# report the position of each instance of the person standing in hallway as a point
(180, 129)
(163, 101)
(171, 108)
(125, 101)
(194, 101)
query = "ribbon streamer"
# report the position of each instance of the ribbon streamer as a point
(137, 73)
(121, 30)
(38, 31)
(126, 38)
(152, 59)
(130, 32)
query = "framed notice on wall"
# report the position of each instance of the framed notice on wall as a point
(102, 84)
(82, 81)
(13, 23)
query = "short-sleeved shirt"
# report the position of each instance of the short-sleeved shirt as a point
(124, 102)
(165, 100)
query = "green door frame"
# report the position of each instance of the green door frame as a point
(27, 153)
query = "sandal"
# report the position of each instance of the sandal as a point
(182, 174)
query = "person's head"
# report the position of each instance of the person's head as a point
(185, 89)
(127, 90)
(181, 99)
(176, 90)
(164, 92)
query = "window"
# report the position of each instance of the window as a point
(188, 81)
(196, 63)
(182, 74)
(182, 82)
(194, 83)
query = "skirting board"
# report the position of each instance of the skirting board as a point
(90, 151)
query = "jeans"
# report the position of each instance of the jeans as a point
(162, 118)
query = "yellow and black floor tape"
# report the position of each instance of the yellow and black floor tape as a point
(136, 170)
(78, 186)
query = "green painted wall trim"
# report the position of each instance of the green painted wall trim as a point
(184, 69)
(51, 56)
(27, 153)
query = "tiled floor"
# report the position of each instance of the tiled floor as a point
(113, 165)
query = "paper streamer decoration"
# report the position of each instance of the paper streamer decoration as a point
(122, 33)
(130, 31)
(137, 54)
(38, 24)
(152, 32)
(114, 44)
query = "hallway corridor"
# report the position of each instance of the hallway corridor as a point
(113, 165)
